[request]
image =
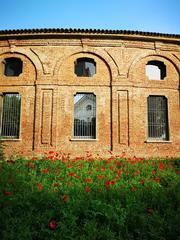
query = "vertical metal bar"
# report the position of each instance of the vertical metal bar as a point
(157, 117)
(85, 117)
(10, 115)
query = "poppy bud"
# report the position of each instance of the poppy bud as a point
(52, 224)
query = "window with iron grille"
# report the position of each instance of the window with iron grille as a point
(85, 67)
(158, 118)
(85, 116)
(10, 115)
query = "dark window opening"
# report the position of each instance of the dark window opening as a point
(85, 67)
(84, 121)
(155, 70)
(13, 67)
(88, 107)
(158, 118)
(10, 115)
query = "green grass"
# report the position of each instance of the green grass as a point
(90, 199)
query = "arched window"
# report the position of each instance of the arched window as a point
(155, 70)
(85, 67)
(85, 116)
(10, 115)
(158, 118)
(13, 67)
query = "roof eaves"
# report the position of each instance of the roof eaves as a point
(79, 31)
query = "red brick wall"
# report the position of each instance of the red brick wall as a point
(48, 84)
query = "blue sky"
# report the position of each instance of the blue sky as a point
(143, 15)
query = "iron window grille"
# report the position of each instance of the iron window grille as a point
(158, 118)
(10, 115)
(84, 116)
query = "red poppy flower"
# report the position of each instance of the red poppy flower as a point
(70, 165)
(125, 172)
(133, 189)
(119, 171)
(149, 211)
(142, 181)
(71, 174)
(80, 165)
(52, 224)
(78, 177)
(55, 184)
(88, 180)
(87, 189)
(117, 164)
(107, 183)
(51, 152)
(103, 167)
(7, 193)
(101, 176)
(44, 170)
(112, 182)
(65, 198)
(40, 187)
(132, 162)
(137, 172)
(157, 179)
(161, 166)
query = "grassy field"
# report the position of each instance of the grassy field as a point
(89, 198)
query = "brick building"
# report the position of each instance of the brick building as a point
(90, 90)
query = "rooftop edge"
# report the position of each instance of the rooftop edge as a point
(85, 31)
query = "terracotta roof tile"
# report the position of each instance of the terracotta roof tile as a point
(86, 31)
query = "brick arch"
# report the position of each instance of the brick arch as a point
(31, 57)
(169, 57)
(113, 70)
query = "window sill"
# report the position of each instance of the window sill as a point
(157, 141)
(11, 139)
(156, 80)
(83, 140)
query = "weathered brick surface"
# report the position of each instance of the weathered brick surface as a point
(48, 85)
